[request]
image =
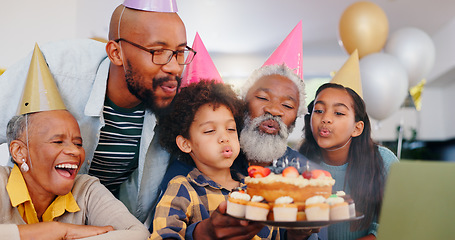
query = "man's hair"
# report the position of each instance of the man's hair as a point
(185, 105)
(282, 70)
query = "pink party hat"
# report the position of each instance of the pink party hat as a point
(290, 52)
(202, 66)
(152, 5)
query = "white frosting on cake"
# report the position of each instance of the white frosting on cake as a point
(239, 195)
(256, 198)
(284, 200)
(334, 200)
(300, 181)
(341, 193)
(315, 199)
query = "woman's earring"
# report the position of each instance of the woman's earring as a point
(24, 166)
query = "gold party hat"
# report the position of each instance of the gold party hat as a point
(40, 91)
(349, 74)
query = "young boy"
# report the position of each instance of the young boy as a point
(202, 129)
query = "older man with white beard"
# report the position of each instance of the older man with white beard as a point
(275, 97)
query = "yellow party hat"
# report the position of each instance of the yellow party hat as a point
(40, 91)
(349, 74)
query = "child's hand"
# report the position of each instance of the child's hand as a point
(222, 226)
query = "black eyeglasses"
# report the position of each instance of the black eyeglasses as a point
(164, 56)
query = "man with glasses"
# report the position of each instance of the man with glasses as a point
(116, 91)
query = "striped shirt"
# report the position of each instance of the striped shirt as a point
(189, 200)
(116, 155)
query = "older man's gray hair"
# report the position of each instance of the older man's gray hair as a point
(282, 70)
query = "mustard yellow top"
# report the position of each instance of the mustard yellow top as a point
(20, 198)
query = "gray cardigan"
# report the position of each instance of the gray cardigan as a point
(98, 207)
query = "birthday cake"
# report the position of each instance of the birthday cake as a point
(263, 182)
(289, 185)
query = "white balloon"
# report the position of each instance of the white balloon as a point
(384, 84)
(415, 50)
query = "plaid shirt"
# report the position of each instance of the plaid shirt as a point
(189, 200)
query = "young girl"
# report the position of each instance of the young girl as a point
(338, 136)
(202, 129)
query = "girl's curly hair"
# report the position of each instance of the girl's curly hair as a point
(185, 105)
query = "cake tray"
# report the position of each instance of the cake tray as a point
(304, 224)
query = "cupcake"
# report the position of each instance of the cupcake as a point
(285, 210)
(236, 203)
(350, 202)
(339, 209)
(257, 209)
(316, 209)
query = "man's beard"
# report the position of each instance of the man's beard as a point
(147, 96)
(262, 147)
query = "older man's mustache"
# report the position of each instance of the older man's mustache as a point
(260, 146)
(256, 123)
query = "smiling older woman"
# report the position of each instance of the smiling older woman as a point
(42, 197)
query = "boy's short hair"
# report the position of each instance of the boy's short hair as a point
(185, 105)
